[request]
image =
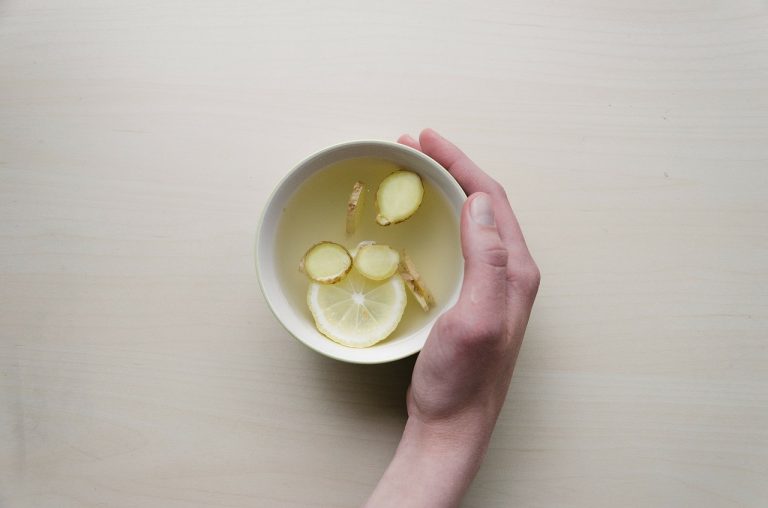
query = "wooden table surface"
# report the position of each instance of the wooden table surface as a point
(140, 365)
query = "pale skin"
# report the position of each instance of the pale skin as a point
(462, 375)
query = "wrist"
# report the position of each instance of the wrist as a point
(433, 466)
(457, 442)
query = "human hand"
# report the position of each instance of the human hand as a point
(462, 374)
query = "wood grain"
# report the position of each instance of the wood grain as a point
(139, 364)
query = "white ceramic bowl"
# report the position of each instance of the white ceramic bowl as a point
(295, 320)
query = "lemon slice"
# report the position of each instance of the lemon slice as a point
(357, 312)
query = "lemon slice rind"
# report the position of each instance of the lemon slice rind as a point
(346, 314)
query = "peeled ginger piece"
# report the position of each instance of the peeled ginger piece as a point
(415, 283)
(355, 206)
(326, 263)
(376, 262)
(398, 197)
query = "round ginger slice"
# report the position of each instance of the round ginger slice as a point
(398, 197)
(376, 262)
(355, 249)
(326, 263)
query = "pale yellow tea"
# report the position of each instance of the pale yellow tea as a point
(317, 211)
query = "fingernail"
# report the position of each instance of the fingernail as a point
(481, 210)
(409, 138)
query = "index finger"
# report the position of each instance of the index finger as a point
(473, 179)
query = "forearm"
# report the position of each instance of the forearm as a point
(432, 467)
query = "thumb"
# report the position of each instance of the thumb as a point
(483, 293)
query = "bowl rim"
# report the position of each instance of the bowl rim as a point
(451, 181)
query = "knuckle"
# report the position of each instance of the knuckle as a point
(497, 256)
(533, 275)
(481, 328)
(470, 331)
(453, 324)
(447, 323)
(498, 189)
(531, 278)
(490, 331)
(527, 276)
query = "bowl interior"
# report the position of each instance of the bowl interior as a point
(295, 320)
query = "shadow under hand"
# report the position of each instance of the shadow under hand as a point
(373, 393)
